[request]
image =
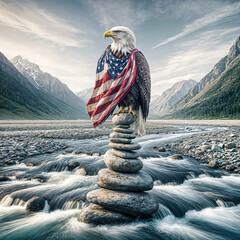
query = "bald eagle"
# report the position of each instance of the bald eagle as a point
(138, 97)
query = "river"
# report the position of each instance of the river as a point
(195, 201)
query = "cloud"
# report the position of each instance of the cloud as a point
(210, 18)
(27, 17)
(195, 58)
(128, 13)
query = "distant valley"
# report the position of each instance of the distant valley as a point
(28, 93)
(161, 105)
(217, 95)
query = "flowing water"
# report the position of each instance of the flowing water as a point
(195, 202)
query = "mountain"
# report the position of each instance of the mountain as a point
(45, 82)
(161, 105)
(85, 94)
(219, 99)
(20, 99)
(218, 69)
(154, 97)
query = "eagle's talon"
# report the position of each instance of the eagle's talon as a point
(130, 111)
(120, 111)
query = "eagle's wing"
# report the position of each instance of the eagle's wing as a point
(143, 80)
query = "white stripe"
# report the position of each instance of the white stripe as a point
(92, 106)
(101, 74)
(109, 99)
(114, 96)
(104, 87)
(96, 117)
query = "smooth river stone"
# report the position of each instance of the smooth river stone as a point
(130, 203)
(98, 215)
(122, 135)
(119, 164)
(122, 130)
(123, 126)
(120, 140)
(131, 182)
(125, 154)
(123, 119)
(126, 147)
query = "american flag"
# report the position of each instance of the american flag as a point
(114, 78)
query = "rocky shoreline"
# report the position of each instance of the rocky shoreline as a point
(17, 148)
(23, 139)
(217, 149)
(19, 141)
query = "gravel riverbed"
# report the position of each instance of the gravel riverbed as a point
(217, 149)
(24, 139)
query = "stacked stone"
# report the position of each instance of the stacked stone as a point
(121, 197)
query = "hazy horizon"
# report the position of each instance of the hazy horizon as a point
(181, 40)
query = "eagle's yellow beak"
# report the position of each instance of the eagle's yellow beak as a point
(109, 34)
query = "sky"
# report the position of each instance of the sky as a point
(181, 39)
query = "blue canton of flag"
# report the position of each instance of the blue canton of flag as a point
(115, 65)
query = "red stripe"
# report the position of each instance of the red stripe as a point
(99, 82)
(111, 92)
(118, 100)
(108, 77)
(110, 105)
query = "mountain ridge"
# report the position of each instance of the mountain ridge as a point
(20, 99)
(46, 82)
(217, 70)
(162, 104)
(219, 99)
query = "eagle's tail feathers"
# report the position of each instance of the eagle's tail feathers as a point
(140, 123)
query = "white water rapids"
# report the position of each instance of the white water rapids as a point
(195, 202)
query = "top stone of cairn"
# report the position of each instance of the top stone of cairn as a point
(123, 119)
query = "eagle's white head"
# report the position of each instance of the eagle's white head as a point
(124, 40)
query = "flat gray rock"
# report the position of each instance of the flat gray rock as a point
(123, 119)
(131, 182)
(123, 130)
(36, 204)
(119, 164)
(122, 135)
(123, 126)
(120, 140)
(125, 154)
(98, 215)
(130, 203)
(126, 147)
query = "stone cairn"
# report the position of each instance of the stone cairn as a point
(121, 197)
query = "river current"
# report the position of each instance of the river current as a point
(195, 201)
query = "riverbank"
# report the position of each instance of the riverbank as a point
(24, 139)
(200, 201)
(217, 149)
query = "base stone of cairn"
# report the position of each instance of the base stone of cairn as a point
(121, 197)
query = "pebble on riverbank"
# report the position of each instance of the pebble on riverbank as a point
(23, 139)
(218, 149)
(17, 148)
